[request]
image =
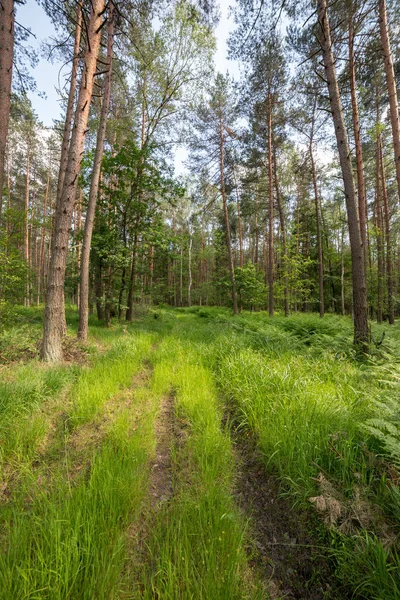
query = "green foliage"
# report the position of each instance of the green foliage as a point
(251, 290)
(385, 426)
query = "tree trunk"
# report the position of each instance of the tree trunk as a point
(389, 258)
(94, 189)
(317, 216)
(270, 214)
(181, 280)
(226, 214)
(284, 244)
(391, 87)
(132, 279)
(70, 104)
(360, 309)
(98, 287)
(379, 230)
(54, 315)
(6, 65)
(362, 202)
(256, 231)
(239, 218)
(9, 158)
(26, 223)
(190, 268)
(42, 237)
(78, 243)
(342, 274)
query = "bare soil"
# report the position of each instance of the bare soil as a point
(160, 485)
(283, 547)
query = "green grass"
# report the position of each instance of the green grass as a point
(197, 545)
(76, 448)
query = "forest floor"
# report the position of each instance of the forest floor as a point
(193, 455)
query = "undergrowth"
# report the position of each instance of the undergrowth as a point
(326, 423)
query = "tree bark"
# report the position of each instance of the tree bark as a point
(317, 216)
(226, 214)
(284, 244)
(389, 258)
(26, 222)
(360, 309)
(190, 268)
(391, 87)
(362, 202)
(94, 190)
(239, 218)
(132, 280)
(54, 314)
(70, 104)
(42, 238)
(270, 214)
(379, 229)
(6, 65)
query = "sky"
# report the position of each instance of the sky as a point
(48, 75)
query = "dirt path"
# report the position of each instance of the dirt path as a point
(160, 487)
(290, 560)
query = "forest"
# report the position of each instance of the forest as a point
(200, 301)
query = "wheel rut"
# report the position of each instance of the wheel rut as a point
(161, 480)
(282, 548)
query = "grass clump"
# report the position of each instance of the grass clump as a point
(69, 541)
(111, 372)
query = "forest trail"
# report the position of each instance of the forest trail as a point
(158, 459)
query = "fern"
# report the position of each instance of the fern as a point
(385, 426)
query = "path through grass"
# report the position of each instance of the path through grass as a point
(119, 475)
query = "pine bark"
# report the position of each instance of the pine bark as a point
(6, 65)
(360, 310)
(239, 218)
(70, 104)
(26, 223)
(226, 214)
(42, 240)
(362, 202)
(317, 215)
(94, 190)
(284, 241)
(379, 231)
(388, 235)
(54, 314)
(391, 87)
(270, 214)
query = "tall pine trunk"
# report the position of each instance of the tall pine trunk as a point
(284, 241)
(226, 214)
(317, 215)
(6, 65)
(54, 314)
(360, 309)
(71, 99)
(362, 202)
(26, 222)
(379, 229)
(94, 190)
(391, 87)
(388, 234)
(270, 214)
